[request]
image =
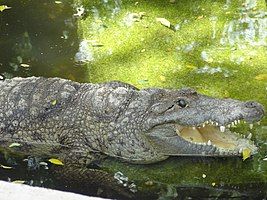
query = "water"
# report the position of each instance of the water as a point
(43, 36)
(216, 47)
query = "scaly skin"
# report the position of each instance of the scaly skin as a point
(81, 123)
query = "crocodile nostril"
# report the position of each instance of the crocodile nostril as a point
(252, 104)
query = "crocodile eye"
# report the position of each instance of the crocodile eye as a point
(182, 103)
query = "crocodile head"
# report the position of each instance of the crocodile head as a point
(183, 122)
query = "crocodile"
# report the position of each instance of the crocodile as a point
(81, 123)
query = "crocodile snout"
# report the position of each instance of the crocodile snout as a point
(254, 109)
(255, 105)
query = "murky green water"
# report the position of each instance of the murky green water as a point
(217, 47)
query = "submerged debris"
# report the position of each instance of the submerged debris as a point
(130, 18)
(84, 54)
(79, 11)
(187, 48)
(249, 28)
(2, 77)
(213, 70)
(205, 57)
(123, 180)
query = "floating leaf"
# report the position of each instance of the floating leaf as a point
(55, 161)
(164, 22)
(5, 167)
(24, 65)
(261, 77)
(4, 7)
(200, 17)
(162, 78)
(246, 153)
(14, 145)
(18, 182)
(54, 102)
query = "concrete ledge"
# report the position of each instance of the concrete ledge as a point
(13, 191)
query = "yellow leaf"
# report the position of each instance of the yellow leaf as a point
(5, 167)
(200, 17)
(54, 102)
(18, 182)
(58, 2)
(246, 153)
(14, 145)
(55, 161)
(4, 7)
(164, 22)
(162, 78)
(213, 184)
(261, 77)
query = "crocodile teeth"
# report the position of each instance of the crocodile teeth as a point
(209, 142)
(222, 128)
(251, 126)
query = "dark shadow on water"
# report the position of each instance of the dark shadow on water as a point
(155, 190)
(42, 35)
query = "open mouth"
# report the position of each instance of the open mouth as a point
(226, 141)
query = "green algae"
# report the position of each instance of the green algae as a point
(208, 47)
(147, 54)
